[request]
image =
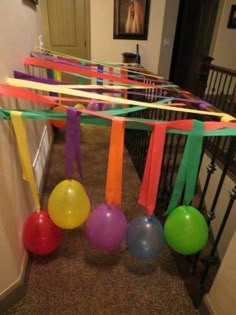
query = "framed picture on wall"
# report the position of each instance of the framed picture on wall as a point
(232, 17)
(131, 19)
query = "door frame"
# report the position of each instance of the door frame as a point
(45, 28)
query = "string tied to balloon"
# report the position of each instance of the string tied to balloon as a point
(189, 168)
(21, 138)
(73, 143)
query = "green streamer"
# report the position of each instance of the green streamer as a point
(188, 170)
(165, 100)
(194, 157)
(133, 123)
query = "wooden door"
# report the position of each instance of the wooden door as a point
(195, 26)
(66, 26)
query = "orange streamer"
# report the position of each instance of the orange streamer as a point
(115, 162)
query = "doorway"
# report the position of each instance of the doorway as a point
(66, 26)
(194, 31)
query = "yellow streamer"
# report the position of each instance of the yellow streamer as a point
(65, 90)
(115, 65)
(105, 87)
(28, 175)
(57, 75)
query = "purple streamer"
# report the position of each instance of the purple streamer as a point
(73, 142)
(24, 76)
(204, 105)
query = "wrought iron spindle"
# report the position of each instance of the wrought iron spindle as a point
(211, 257)
(229, 158)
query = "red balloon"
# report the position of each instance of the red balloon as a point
(56, 122)
(40, 235)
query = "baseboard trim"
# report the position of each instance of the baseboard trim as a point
(18, 289)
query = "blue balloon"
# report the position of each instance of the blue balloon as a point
(145, 237)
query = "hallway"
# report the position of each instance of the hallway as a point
(78, 279)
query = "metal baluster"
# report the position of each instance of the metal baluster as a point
(210, 258)
(228, 92)
(207, 93)
(229, 158)
(210, 171)
(218, 83)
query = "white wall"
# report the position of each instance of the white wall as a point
(222, 298)
(20, 28)
(105, 48)
(223, 48)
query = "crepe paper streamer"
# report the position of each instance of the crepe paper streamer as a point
(25, 94)
(152, 172)
(123, 73)
(65, 90)
(71, 69)
(165, 100)
(104, 87)
(76, 69)
(100, 70)
(227, 118)
(111, 71)
(50, 74)
(60, 60)
(94, 62)
(73, 143)
(193, 160)
(100, 82)
(24, 76)
(81, 79)
(203, 105)
(211, 128)
(42, 115)
(183, 127)
(28, 175)
(57, 75)
(115, 162)
(188, 170)
(35, 97)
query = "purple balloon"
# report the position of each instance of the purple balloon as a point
(106, 227)
(93, 106)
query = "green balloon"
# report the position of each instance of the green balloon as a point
(186, 230)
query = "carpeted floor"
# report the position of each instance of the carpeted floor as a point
(78, 279)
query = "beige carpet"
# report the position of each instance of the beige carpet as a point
(78, 279)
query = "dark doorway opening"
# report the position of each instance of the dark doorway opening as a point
(194, 31)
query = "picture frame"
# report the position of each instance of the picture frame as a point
(131, 19)
(232, 17)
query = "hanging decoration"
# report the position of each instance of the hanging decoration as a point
(106, 226)
(185, 229)
(69, 204)
(145, 237)
(40, 235)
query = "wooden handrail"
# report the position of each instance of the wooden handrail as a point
(221, 69)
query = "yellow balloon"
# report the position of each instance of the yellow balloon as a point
(79, 106)
(68, 204)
